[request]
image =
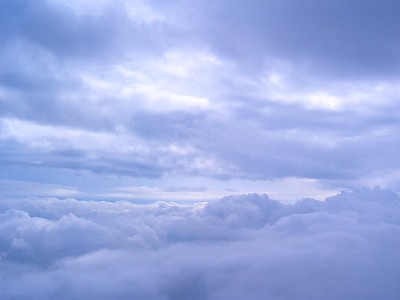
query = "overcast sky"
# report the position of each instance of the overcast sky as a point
(132, 133)
(193, 100)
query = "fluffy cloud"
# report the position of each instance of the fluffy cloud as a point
(242, 247)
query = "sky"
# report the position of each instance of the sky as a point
(199, 150)
(195, 100)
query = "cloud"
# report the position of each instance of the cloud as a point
(148, 99)
(340, 39)
(269, 90)
(14, 188)
(246, 247)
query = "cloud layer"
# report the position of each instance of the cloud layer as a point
(267, 90)
(241, 247)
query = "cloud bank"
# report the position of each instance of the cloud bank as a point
(240, 247)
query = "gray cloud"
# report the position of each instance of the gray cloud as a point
(146, 89)
(355, 38)
(67, 34)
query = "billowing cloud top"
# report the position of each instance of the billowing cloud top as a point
(266, 90)
(240, 247)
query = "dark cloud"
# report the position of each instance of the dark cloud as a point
(345, 38)
(68, 35)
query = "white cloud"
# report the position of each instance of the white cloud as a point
(48, 138)
(142, 12)
(137, 10)
(14, 188)
(84, 8)
(178, 81)
(242, 247)
(161, 100)
(289, 87)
